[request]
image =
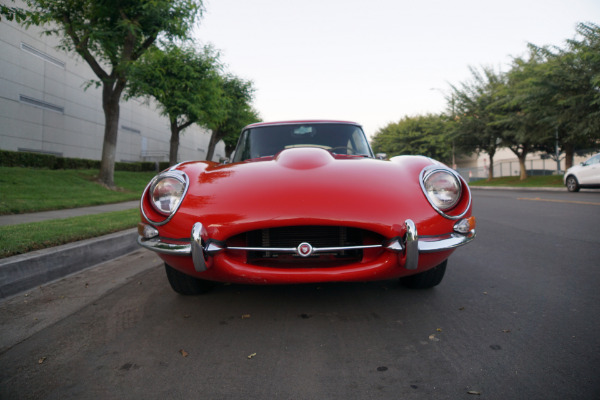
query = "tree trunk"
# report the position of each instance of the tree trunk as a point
(522, 166)
(569, 154)
(174, 145)
(491, 151)
(491, 168)
(110, 104)
(521, 152)
(214, 139)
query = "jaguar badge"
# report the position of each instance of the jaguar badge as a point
(304, 249)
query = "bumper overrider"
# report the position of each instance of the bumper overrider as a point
(200, 246)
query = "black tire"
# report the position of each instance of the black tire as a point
(185, 284)
(427, 279)
(572, 184)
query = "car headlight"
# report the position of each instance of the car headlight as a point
(167, 190)
(442, 187)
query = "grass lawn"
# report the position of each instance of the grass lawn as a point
(23, 238)
(532, 181)
(24, 190)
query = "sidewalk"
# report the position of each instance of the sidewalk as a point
(25, 271)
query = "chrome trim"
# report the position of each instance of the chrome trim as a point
(430, 169)
(411, 243)
(179, 175)
(450, 241)
(198, 241)
(157, 245)
(295, 249)
(200, 246)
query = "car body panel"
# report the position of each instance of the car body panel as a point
(300, 187)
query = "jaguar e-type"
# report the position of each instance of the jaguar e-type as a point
(303, 202)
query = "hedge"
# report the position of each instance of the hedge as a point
(48, 161)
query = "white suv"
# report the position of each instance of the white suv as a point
(584, 175)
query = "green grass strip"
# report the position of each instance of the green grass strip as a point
(23, 238)
(24, 190)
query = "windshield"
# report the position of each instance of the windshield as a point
(266, 141)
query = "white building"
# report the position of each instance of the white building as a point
(45, 108)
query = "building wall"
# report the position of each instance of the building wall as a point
(44, 107)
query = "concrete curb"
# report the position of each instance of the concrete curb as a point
(25, 271)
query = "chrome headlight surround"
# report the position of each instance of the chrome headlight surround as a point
(444, 190)
(165, 193)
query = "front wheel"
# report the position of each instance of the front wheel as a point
(185, 284)
(572, 184)
(427, 279)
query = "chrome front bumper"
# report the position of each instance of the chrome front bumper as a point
(200, 246)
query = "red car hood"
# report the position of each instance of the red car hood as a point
(306, 186)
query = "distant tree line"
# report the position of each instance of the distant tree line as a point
(143, 49)
(548, 100)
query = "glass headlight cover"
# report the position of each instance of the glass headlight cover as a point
(443, 189)
(167, 191)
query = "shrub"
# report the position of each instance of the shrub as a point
(49, 161)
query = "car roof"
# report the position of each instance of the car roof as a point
(296, 122)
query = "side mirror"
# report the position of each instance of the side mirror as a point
(224, 160)
(381, 156)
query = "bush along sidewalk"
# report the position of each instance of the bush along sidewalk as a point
(50, 161)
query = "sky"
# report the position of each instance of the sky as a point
(376, 61)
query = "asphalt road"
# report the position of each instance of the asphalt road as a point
(516, 317)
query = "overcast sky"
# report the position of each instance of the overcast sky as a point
(376, 61)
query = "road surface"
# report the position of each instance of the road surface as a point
(516, 317)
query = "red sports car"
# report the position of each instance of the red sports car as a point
(305, 201)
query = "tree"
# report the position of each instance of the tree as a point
(231, 139)
(111, 35)
(423, 135)
(186, 84)
(12, 13)
(476, 114)
(571, 81)
(524, 122)
(238, 112)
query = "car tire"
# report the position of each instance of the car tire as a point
(572, 184)
(185, 284)
(427, 279)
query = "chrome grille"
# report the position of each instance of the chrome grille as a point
(317, 236)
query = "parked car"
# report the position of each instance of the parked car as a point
(584, 175)
(301, 202)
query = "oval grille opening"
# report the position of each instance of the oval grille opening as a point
(318, 237)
